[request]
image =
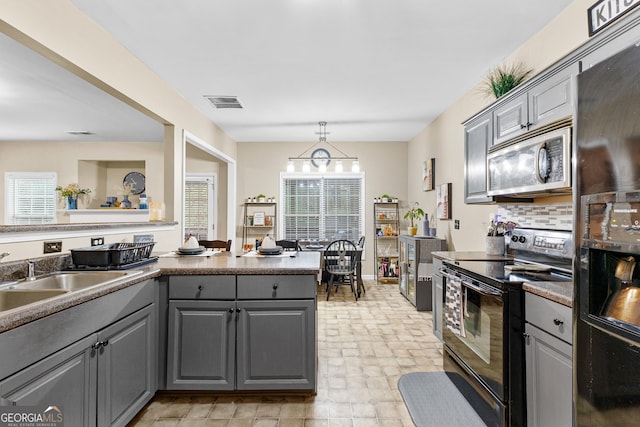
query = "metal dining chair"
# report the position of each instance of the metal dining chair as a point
(341, 259)
(288, 245)
(216, 244)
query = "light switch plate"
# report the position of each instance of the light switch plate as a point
(456, 224)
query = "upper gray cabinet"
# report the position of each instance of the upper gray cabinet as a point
(478, 134)
(550, 99)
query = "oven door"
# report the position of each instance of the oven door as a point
(474, 331)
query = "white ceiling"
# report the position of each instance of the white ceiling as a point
(374, 70)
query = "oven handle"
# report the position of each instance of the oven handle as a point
(480, 289)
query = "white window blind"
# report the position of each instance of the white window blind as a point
(30, 197)
(323, 208)
(199, 206)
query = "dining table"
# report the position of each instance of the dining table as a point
(322, 248)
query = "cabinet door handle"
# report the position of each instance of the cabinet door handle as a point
(200, 288)
(96, 345)
(275, 285)
(558, 322)
(237, 310)
(105, 343)
(526, 337)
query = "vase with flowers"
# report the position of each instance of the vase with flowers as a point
(72, 193)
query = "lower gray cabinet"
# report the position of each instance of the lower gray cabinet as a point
(260, 335)
(202, 346)
(276, 345)
(63, 379)
(126, 367)
(548, 363)
(104, 379)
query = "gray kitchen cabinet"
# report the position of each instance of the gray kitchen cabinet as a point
(201, 333)
(548, 363)
(416, 269)
(437, 306)
(103, 379)
(276, 345)
(250, 332)
(63, 379)
(201, 339)
(478, 135)
(126, 367)
(548, 100)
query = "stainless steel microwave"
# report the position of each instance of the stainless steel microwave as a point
(540, 165)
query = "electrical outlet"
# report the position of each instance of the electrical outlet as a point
(97, 241)
(52, 247)
(456, 224)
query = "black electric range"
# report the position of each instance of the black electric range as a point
(484, 321)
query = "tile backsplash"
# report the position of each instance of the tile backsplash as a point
(556, 216)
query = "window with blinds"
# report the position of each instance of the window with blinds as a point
(198, 207)
(323, 208)
(30, 197)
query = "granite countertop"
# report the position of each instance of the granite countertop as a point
(302, 262)
(221, 263)
(560, 292)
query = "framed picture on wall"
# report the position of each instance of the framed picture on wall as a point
(443, 200)
(428, 174)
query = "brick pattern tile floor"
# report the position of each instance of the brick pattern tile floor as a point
(363, 348)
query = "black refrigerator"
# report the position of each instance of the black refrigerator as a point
(606, 351)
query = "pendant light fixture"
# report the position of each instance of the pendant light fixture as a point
(321, 157)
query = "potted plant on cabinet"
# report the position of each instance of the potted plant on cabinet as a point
(414, 214)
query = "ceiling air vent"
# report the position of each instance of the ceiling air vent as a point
(79, 132)
(223, 101)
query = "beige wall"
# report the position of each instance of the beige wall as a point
(443, 139)
(67, 160)
(383, 163)
(56, 29)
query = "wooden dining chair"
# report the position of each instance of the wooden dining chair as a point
(341, 259)
(216, 244)
(288, 245)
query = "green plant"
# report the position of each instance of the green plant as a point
(261, 196)
(72, 190)
(385, 196)
(503, 78)
(415, 213)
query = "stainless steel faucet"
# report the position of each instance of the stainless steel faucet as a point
(31, 273)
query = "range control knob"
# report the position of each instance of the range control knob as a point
(522, 239)
(514, 238)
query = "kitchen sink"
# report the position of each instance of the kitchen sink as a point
(22, 292)
(12, 298)
(73, 280)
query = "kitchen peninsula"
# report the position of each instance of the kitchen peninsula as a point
(222, 323)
